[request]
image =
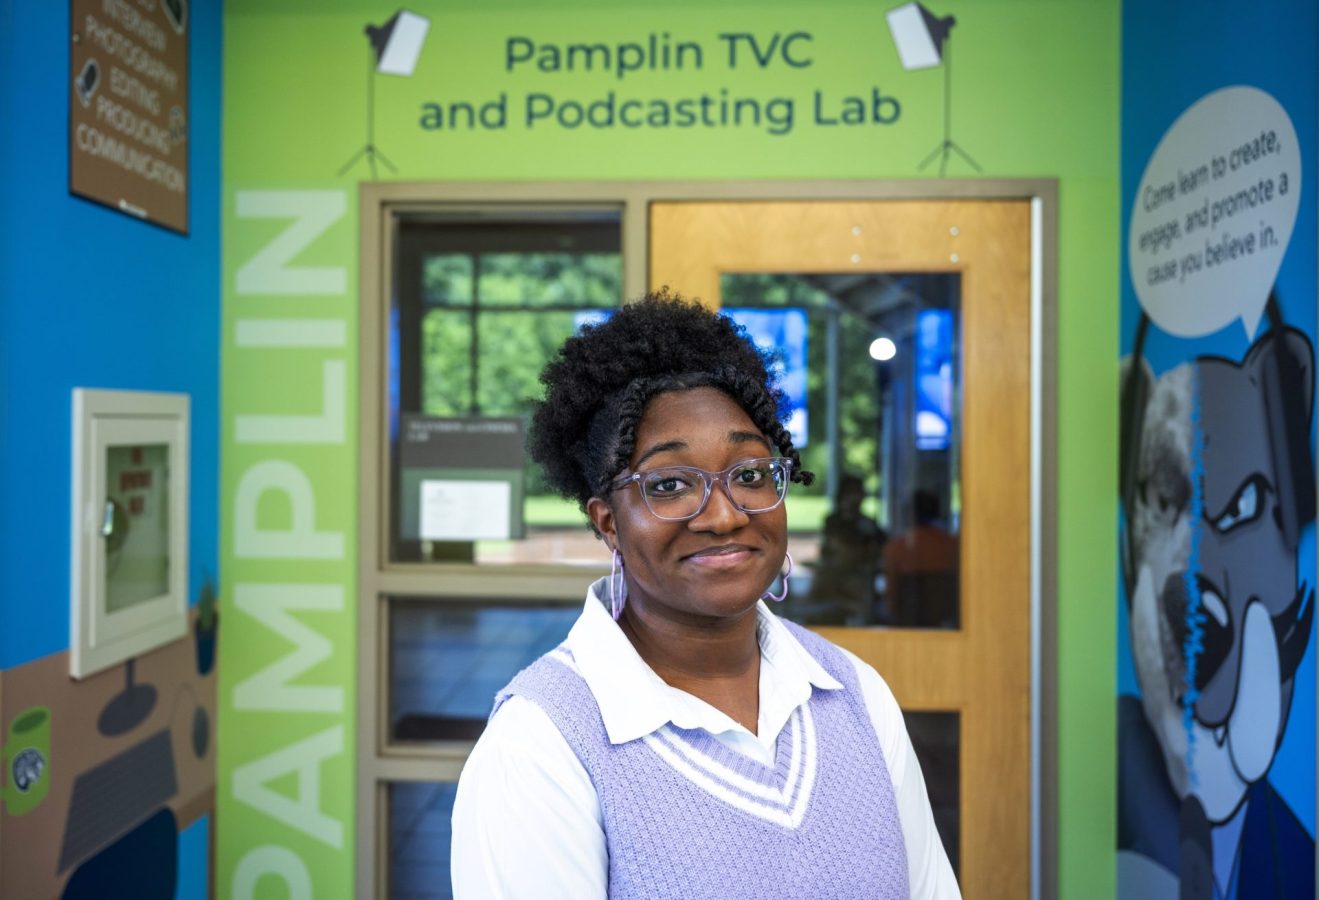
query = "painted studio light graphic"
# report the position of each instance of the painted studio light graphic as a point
(395, 48)
(924, 41)
(88, 81)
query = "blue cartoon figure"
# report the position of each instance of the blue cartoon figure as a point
(1217, 486)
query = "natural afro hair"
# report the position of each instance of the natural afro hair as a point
(596, 388)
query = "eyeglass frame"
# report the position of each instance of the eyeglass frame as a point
(709, 478)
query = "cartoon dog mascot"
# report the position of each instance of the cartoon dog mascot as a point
(1217, 483)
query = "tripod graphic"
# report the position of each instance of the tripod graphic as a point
(369, 151)
(947, 146)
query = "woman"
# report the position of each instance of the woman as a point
(684, 742)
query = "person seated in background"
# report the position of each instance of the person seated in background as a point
(921, 570)
(851, 544)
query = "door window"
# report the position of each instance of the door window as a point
(876, 538)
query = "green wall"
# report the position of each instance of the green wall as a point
(1035, 94)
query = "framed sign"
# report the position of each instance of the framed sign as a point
(129, 576)
(128, 107)
(461, 479)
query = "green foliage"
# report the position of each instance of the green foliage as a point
(523, 279)
(551, 279)
(447, 278)
(446, 337)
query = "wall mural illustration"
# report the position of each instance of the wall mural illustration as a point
(1218, 503)
(111, 779)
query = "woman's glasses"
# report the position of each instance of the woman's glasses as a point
(676, 493)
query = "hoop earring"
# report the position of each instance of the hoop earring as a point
(617, 588)
(779, 598)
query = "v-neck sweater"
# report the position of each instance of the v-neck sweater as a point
(686, 817)
(528, 819)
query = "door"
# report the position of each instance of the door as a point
(904, 469)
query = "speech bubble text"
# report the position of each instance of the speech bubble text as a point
(1214, 213)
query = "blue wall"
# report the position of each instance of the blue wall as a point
(92, 298)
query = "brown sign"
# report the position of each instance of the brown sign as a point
(128, 107)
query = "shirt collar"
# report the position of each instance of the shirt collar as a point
(634, 701)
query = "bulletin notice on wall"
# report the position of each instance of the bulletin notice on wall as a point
(128, 107)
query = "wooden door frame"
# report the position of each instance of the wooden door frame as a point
(381, 202)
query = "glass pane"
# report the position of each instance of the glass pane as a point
(510, 350)
(447, 660)
(446, 367)
(137, 544)
(541, 279)
(936, 737)
(446, 278)
(876, 538)
(481, 306)
(419, 840)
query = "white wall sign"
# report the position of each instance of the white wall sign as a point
(465, 510)
(1214, 213)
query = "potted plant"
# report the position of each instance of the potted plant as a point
(205, 627)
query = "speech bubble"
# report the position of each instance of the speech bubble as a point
(1214, 213)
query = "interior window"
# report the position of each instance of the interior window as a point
(484, 300)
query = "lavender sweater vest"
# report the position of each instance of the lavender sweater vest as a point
(686, 817)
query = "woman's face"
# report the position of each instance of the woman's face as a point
(719, 563)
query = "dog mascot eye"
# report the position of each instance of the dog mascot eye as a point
(1246, 506)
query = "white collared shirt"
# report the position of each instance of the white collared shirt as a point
(527, 823)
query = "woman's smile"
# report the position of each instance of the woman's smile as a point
(723, 556)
